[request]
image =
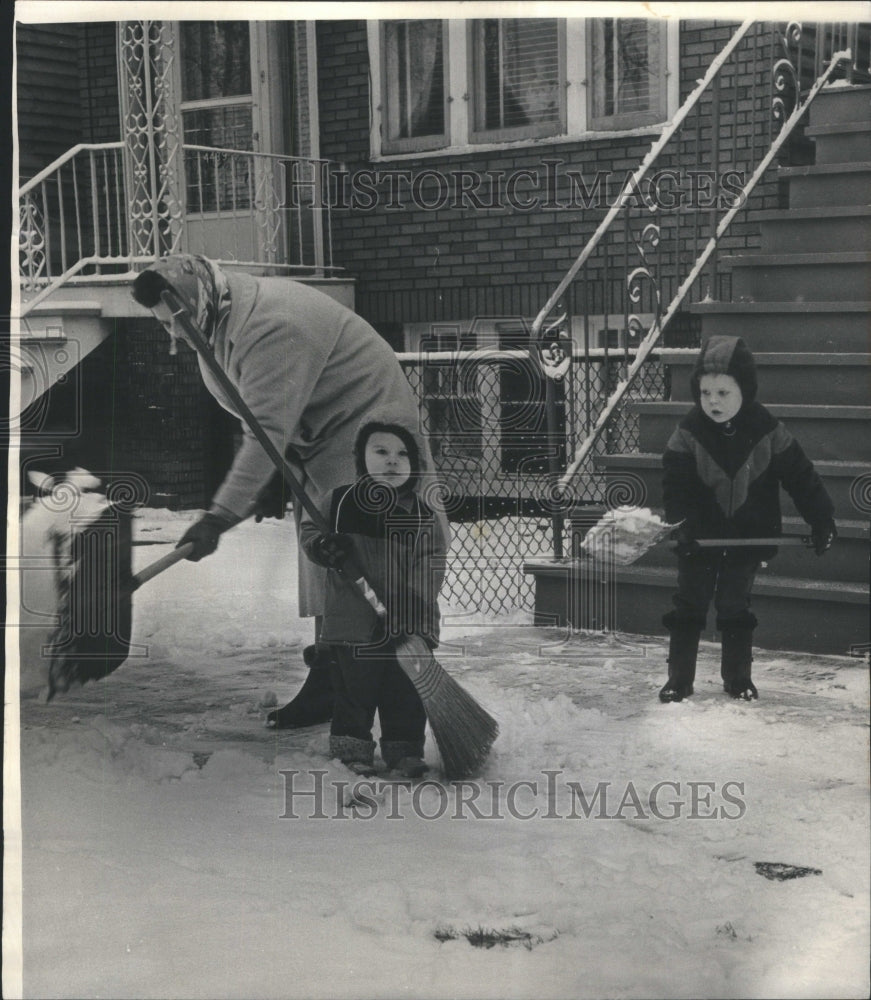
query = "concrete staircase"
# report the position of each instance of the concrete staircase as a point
(803, 305)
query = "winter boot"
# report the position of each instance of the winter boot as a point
(683, 649)
(404, 757)
(736, 660)
(313, 703)
(357, 755)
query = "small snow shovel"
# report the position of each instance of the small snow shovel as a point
(613, 540)
(92, 638)
(463, 729)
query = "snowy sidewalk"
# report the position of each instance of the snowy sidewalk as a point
(172, 847)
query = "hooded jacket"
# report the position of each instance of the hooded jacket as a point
(723, 480)
(399, 544)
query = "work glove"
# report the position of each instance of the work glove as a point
(822, 536)
(204, 535)
(686, 542)
(332, 550)
(272, 500)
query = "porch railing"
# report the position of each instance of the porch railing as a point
(658, 246)
(78, 220)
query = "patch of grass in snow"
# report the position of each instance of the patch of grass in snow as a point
(482, 937)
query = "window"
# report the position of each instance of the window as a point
(626, 59)
(415, 106)
(519, 78)
(449, 85)
(216, 110)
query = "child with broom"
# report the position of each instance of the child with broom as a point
(724, 466)
(380, 526)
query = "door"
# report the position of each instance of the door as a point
(232, 195)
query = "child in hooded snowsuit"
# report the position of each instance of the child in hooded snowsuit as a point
(381, 526)
(724, 465)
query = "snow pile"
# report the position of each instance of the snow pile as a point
(625, 534)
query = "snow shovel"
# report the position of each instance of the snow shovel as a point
(463, 729)
(624, 535)
(92, 638)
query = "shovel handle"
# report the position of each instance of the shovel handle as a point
(159, 565)
(726, 543)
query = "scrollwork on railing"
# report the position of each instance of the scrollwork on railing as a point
(31, 243)
(784, 74)
(644, 272)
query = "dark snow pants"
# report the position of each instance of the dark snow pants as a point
(366, 684)
(722, 575)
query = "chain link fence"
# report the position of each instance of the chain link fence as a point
(503, 424)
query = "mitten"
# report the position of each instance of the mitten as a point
(272, 501)
(823, 535)
(332, 550)
(686, 542)
(204, 535)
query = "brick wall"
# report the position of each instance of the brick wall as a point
(98, 73)
(169, 428)
(460, 259)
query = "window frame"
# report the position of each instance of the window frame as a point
(475, 90)
(460, 136)
(630, 119)
(416, 144)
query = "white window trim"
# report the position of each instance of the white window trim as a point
(459, 97)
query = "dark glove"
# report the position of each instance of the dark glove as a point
(822, 536)
(686, 542)
(332, 550)
(272, 500)
(204, 535)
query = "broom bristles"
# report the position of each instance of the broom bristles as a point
(463, 729)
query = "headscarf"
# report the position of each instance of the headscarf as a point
(199, 283)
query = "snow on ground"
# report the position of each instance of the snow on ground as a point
(174, 847)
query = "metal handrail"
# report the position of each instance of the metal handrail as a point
(652, 337)
(632, 184)
(55, 165)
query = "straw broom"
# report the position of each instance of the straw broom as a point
(464, 731)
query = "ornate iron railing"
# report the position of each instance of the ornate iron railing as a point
(658, 246)
(78, 218)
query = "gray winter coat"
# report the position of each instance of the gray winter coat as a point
(310, 370)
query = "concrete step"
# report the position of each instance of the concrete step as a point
(824, 432)
(800, 277)
(828, 184)
(817, 379)
(793, 614)
(847, 561)
(840, 326)
(841, 104)
(847, 483)
(841, 142)
(830, 229)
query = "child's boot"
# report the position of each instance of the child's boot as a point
(357, 755)
(737, 657)
(404, 757)
(683, 650)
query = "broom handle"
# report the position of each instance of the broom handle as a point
(279, 461)
(724, 543)
(159, 565)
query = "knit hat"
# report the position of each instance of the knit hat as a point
(726, 356)
(382, 422)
